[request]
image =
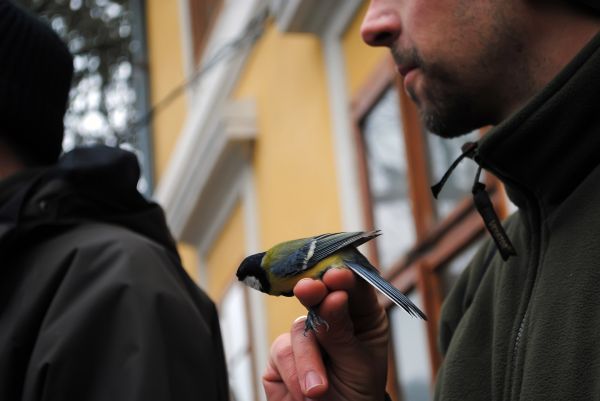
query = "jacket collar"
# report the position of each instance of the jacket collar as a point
(549, 146)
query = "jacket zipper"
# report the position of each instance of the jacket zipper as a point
(516, 345)
(485, 208)
(536, 229)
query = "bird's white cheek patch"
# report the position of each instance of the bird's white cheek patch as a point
(253, 282)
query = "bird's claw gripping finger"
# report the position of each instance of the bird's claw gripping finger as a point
(313, 321)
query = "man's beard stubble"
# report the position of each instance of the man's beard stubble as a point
(447, 115)
(444, 108)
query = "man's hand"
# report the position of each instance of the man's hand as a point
(346, 362)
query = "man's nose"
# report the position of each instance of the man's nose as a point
(381, 25)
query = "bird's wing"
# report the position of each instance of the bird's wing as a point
(291, 258)
(371, 276)
(307, 252)
(328, 244)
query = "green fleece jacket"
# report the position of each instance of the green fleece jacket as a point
(529, 328)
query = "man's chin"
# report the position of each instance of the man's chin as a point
(445, 127)
(444, 119)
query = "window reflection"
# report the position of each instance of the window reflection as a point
(387, 171)
(409, 336)
(442, 153)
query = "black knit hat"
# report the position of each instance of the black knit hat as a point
(35, 77)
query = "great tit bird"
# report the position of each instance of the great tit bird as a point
(276, 271)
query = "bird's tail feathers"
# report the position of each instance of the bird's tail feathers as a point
(387, 289)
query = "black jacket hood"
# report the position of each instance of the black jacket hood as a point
(87, 184)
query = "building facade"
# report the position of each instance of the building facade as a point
(282, 124)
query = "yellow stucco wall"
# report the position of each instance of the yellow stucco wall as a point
(225, 255)
(189, 259)
(360, 58)
(165, 61)
(294, 156)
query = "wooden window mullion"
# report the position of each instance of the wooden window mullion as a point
(418, 177)
(432, 295)
(203, 14)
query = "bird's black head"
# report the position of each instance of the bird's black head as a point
(252, 273)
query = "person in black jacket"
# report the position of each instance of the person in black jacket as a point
(522, 322)
(94, 302)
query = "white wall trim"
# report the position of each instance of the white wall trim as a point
(187, 173)
(209, 171)
(242, 191)
(257, 299)
(219, 163)
(339, 101)
(215, 225)
(306, 16)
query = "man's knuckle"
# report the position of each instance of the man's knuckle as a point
(284, 351)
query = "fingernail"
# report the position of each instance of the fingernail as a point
(300, 318)
(312, 380)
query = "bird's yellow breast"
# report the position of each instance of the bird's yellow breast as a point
(285, 285)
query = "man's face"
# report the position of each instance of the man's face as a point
(456, 57)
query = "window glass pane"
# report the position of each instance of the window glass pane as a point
(512, 208)
(411, 353)
(442, 153)
(387, 171)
